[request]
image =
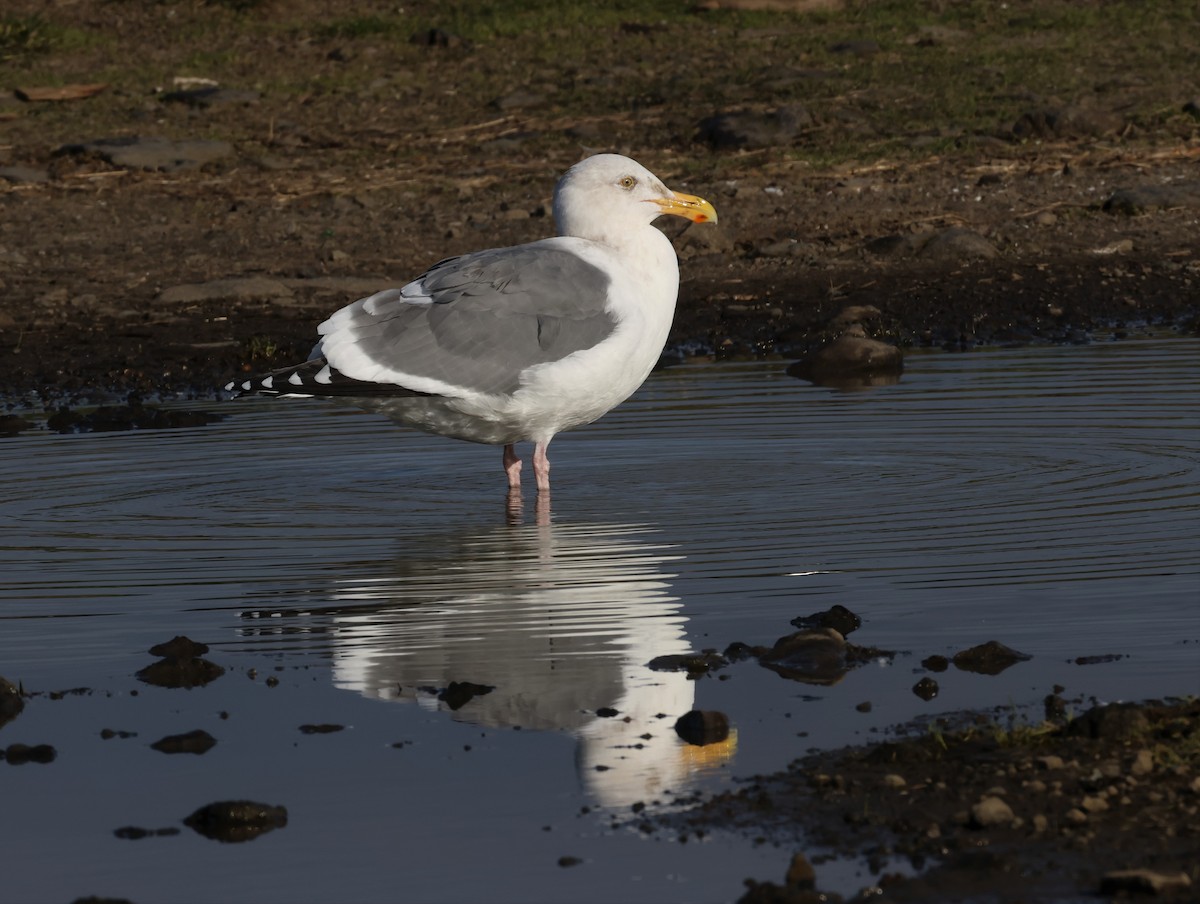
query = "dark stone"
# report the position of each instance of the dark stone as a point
(459, 693)
(740, 652)
(233, 821)
(184, 673)
(1098, 660)
(1133, 201)
(1055, 708)
(695, 664)
(746, 129)
(851, 360)
(197, 742)
(107, 734)
(136, 833)
(11, 701)
(936, 663)
(989, 658)
(569, 861)
(322, 728)
(1116, 721)
(212, 96)
(12, 424)
(20, 754)
(837, 617)
(926, 688)
(864, 707)
(957, 244)
(894, 245)
(814, 657)
(607, 712)
(180, 647)
(702, 727)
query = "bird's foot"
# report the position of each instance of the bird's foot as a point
(512, 467)
(541, 467)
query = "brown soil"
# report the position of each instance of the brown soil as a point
(335, 183)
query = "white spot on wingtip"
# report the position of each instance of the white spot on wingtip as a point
(267, 382)
(324, 375)
(246, 386)
(229, 386)
(295, 380)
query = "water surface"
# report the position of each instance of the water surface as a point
(1046, 498)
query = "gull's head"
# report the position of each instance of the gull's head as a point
(609, 197)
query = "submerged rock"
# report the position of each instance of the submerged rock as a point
(814, 657)
(989, 658)
(197, 742)
(181, 665)
(837, 617)
(11, 701)
(232, 821)
(849, 358)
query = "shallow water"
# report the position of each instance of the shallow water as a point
(1046, 498)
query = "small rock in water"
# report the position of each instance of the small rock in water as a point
(11, 701)
(20, 754)
(814, 657)
(232, 821)
(180, 647)
(926, 688)
(989, 658)
(695, 664)
(838, 617)
(458, 694)
(703, 727)
(197, 742)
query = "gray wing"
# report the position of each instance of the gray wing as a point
(473, 322)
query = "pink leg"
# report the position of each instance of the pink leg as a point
(541, 466)
(512, 467)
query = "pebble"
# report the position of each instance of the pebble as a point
(1049, 763)
(892, 780)
(991, 811)
(1143, 763)
(1094, 804)
(1076, 815)
(1040, 822)
(800, 873)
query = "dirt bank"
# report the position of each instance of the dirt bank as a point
(236, 171)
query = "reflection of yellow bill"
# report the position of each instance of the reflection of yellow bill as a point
(710, 756)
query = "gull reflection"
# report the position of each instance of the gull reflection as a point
(538, 625)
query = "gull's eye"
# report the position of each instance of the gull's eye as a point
(627, 182)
